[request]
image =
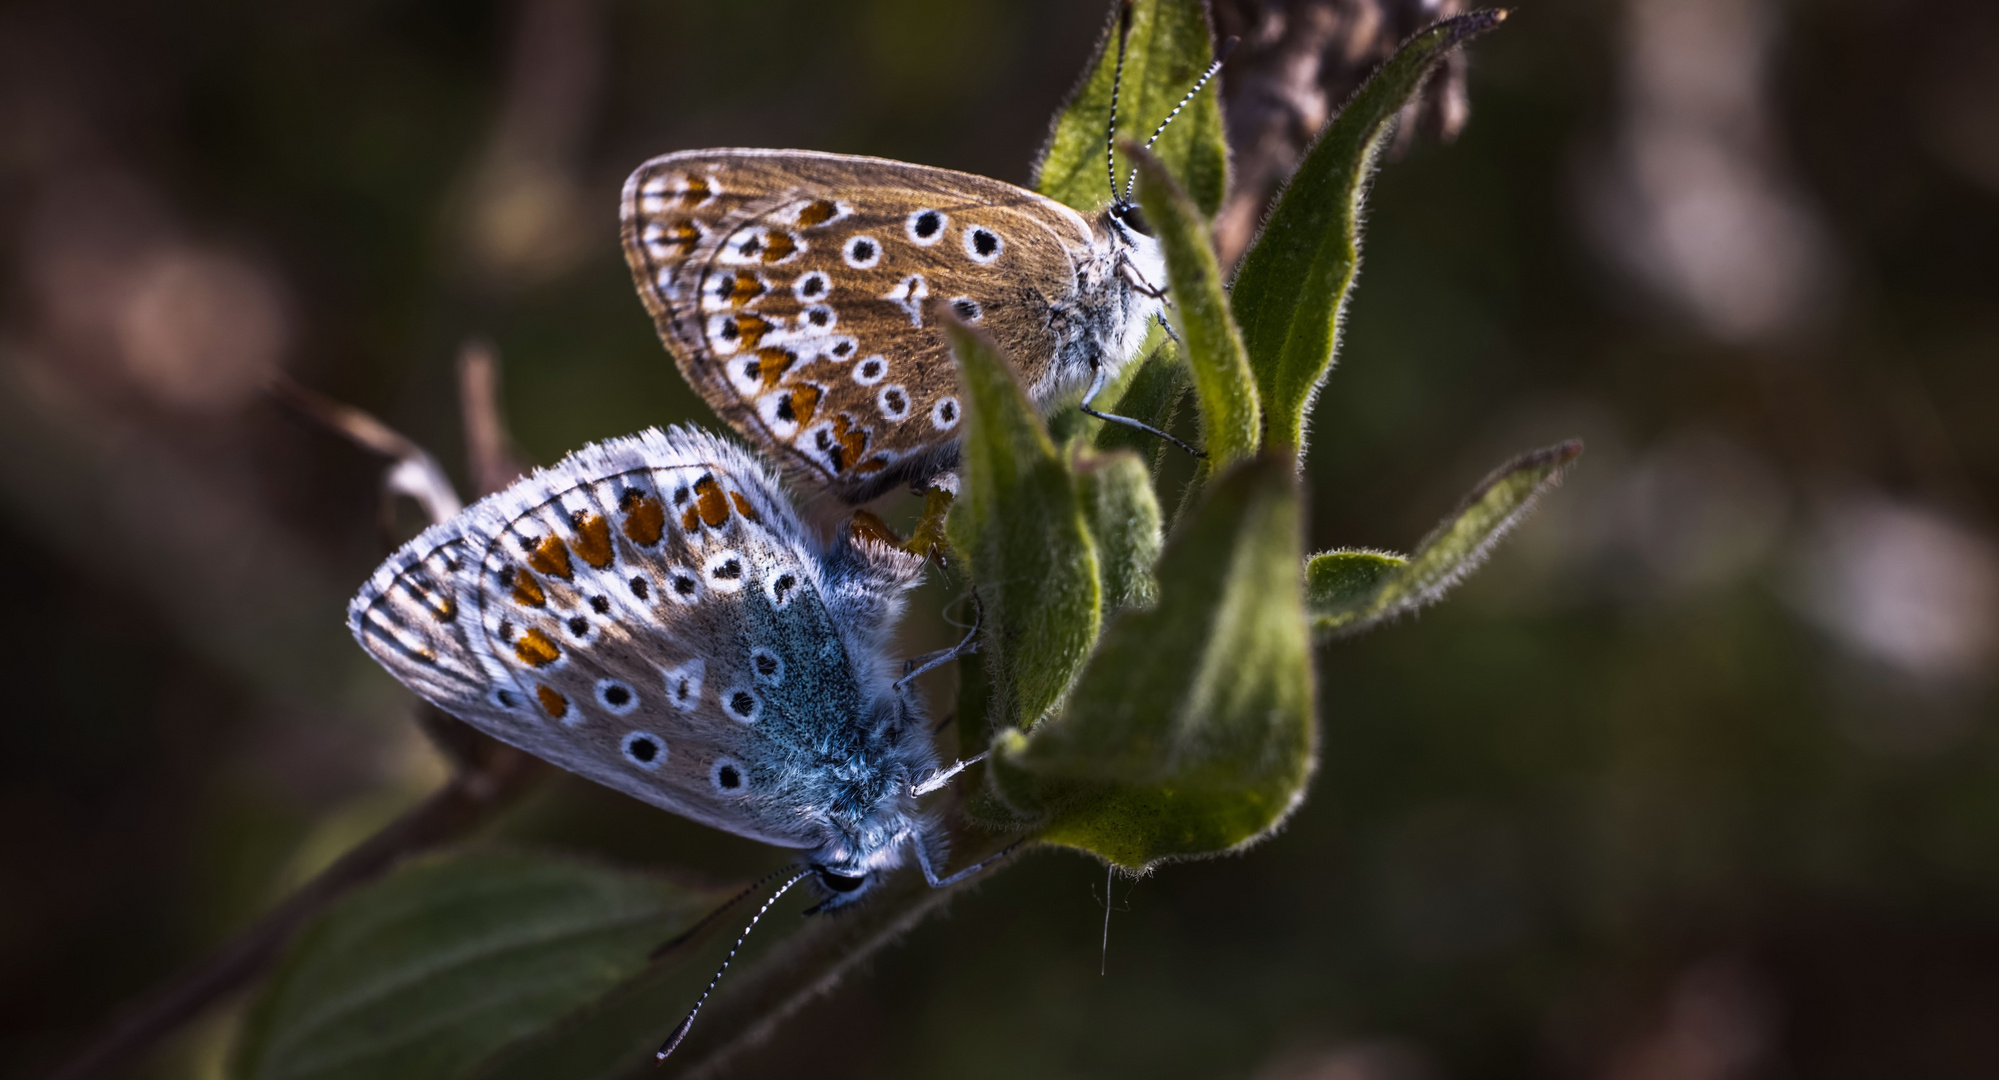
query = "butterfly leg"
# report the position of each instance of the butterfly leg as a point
(930, 875)
(939, 779)
(928, 662)
(1141, 286)
(1168, 327)
(1097, 386)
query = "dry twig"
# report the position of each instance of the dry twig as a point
(1299, 59)
(487, 776)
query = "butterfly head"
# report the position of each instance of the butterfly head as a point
(1128, 223)
(848, 869)
(1135, 257)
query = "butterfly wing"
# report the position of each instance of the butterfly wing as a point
(798, 293)
(648, 614)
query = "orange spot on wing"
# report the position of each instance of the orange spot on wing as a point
(805, 402)
(779, 247)
(537, 649)
(854, 440)
(552, 703)
(708, 500)
(743, 506)
(593, 541)
(697, 191)
(527, 591)
(551, 558)
(772, 363)
(866, 526)
(751, 329)
(683, 235)
(872, 465)
(745, 289)
(817, 213)
(645, 518)
(690, 520)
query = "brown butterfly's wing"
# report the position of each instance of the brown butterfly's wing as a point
(799, 293)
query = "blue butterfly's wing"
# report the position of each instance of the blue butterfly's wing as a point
(650, 614)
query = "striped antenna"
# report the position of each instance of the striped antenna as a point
(1117, 81)
(672, 1042)
(1221, 57)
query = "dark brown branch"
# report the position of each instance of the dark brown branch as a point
(414, 472)
(489, 452)
(1299, 59)
(487, 776)
(466, 802)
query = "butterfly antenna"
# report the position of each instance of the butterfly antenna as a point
(1117, 81)
(672, 1042)
(1221, 57)
(687, 935)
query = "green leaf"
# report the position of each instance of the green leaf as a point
(1123, 517)
(1190, 732)
(1293, 285)
(440, 965)
(1018, 526)
(1169, 46)
(1348, 577)
(1224, 386)
(1351, 591)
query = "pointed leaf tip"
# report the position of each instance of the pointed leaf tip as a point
(1351, 591)
(1224, 385)
(1290, 294)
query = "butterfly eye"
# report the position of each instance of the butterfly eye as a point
(1133, 218)
(840, 883)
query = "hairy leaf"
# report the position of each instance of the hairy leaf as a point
(437, 967)
(1348, 577)
(1224, 386)
(1351, 591)
(1169, 46)
(1018, 527)
(1123, 517)
(1292, 288)
(1190, 732)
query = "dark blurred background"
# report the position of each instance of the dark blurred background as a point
(1699, 778)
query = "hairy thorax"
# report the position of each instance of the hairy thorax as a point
(1105, 321)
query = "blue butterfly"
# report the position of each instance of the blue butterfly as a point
(651, 614)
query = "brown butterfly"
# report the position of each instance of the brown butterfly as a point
(800, 293)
